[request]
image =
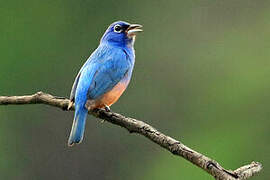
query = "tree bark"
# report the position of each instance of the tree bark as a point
(136, 126)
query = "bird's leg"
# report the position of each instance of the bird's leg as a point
(90, 105)
(107, 108)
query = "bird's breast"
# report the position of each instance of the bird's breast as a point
(111, 96)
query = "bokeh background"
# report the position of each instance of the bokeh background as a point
(201, 76)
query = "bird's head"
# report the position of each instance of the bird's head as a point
(121, 33)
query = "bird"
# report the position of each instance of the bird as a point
(104, 76)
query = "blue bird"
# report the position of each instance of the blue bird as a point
(104, 76)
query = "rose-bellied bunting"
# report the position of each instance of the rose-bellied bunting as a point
(104, 76)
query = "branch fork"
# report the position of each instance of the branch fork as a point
(136, 126)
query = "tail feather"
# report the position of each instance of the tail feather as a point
(78, 126)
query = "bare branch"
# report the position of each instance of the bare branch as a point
(139, 127)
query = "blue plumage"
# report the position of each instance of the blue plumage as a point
(104, 76)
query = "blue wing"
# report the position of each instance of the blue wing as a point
(76, 81)
(109, 73)
(102, 71)
(74, 87)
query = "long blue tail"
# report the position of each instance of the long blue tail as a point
(77, 131)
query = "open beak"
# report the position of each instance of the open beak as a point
(133, 29)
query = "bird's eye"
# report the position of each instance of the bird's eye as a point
(117, 28)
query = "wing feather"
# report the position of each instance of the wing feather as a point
(107, 76)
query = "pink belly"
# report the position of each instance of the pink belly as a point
(112, 96)
(108, 98)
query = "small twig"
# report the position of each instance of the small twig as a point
(140, 127)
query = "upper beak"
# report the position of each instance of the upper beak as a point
(134, 28)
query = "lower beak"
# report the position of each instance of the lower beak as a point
(133, 29)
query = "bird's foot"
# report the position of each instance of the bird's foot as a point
(107, 108)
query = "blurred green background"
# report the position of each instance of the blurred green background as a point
(201, 76)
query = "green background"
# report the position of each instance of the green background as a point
(201, 76)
